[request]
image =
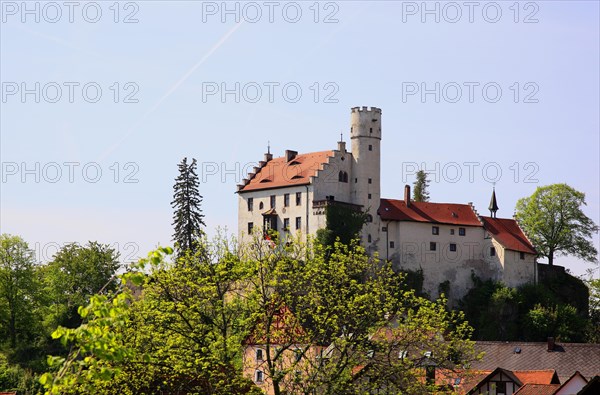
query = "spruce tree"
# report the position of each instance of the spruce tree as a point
(187, 218)
(420, 192)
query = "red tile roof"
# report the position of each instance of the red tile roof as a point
(537, 376)
(278, 172)
(537, 389)
(508, 233)
(443, 213)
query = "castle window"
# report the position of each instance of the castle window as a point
(432, 246)
(250, 204)
(370, 147)
(392, 244)
(451, 231)
(370, 180)
(298, 222)
(261, 205)
(298, 198)
(369, 218)
(343, 176)
(368, 238)
(259, 354)
(369, 196)
(435, 230)
(492, 251)
(259, 376)
(286, 200)
(462, 231)
(370, 130)
(355, 180)
(453, 247)
(250, 227)
(521, 255)
(272, 201)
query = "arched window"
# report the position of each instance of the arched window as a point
(369, 218)
(261, 205)
(343, 176)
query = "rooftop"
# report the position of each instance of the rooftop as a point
(281, 172)
(565, 359)
(441, 213)
(508, 233)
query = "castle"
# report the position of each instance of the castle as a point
(448, 242)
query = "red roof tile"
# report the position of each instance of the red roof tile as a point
(537, 376)
(538, 389)
(278, 172)
(443, 213)
(508, 233)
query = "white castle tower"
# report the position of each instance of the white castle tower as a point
(365, 133)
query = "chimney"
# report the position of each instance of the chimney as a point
(290, 155)
(551, 344)
(407, 195)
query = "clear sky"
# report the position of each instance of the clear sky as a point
(467, 89)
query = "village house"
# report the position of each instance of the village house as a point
(449, 242)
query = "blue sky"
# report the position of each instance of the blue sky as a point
(543, 128)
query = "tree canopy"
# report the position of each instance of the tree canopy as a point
(553, 219)
(189, 326)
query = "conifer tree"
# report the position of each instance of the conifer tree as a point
(187, 218)
(420, 192)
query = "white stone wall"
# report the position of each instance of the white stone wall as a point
(517, 271)
(411, 251)
(291, 212)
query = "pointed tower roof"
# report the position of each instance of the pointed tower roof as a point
(493, 204)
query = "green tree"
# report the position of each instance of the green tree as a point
(76, 273)
(561, 321)
(553, 220)
(18, 290)
(323, 305)
(182, 332)
(344, 224)
(593, 335)
(187, 218)
(421, 185)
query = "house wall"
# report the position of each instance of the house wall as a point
(489, 387)
(298, 369)
(572, 387)
(292, 211)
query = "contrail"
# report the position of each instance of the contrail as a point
(171, 90)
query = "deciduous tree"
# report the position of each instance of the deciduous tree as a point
(555, 223)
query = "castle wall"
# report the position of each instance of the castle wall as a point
(411, 251)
